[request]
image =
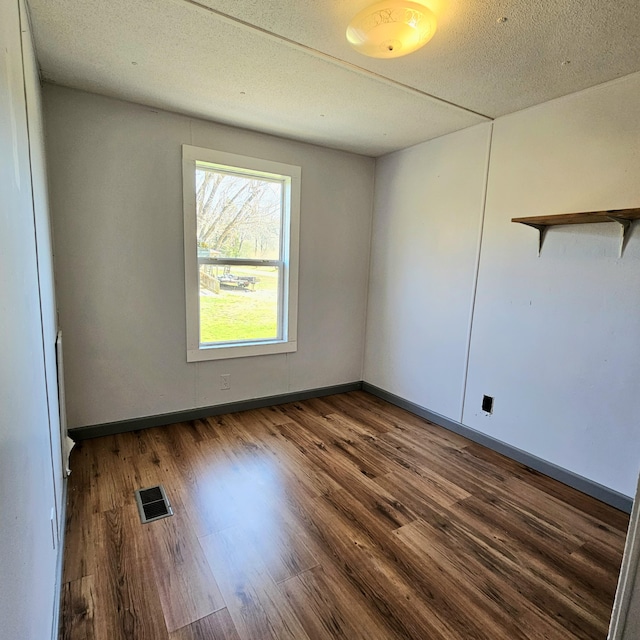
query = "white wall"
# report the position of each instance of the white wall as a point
(428, 218)
(115, 173)
(555, 339)
(30, 477)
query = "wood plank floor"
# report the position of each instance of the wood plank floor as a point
(341, 517)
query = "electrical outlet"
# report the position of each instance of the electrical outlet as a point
(487, 404)
(225, 382)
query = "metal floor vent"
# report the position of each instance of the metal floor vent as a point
(153, 504)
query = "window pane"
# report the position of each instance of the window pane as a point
(237, 216)
(239, 303)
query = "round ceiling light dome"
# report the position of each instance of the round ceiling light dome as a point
(391, 29)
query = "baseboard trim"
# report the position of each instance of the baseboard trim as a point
(135, 424)
(598, 491)
(56, 625)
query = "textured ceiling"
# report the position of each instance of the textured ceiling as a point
(285, 67)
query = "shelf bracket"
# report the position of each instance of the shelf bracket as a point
(542, 232)
(626, 228)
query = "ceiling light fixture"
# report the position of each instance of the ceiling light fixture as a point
(391, 29)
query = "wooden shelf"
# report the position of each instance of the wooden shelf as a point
(624, 217)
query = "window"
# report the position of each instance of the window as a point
(241, 220)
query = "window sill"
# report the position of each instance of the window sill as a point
(225, 352)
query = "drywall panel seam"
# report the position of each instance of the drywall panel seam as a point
(476, 275)
(569, 96)
(328, 57)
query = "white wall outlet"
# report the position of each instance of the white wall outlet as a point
(225, 381)
(487, 404)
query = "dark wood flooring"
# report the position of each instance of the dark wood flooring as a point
(341, 517)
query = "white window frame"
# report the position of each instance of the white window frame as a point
(244, 165)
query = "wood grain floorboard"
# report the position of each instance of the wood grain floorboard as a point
(537, 547)
(419, 486)
(186, 587)
(481, 584)
(77, 610)
(344, 440)
(395, 603)
(423, 585)
(341, 517)
(583, 502)
(282, 550)
(217, 626)
(368, 417)
(201, 475)
(293, 462)
(126, 602)
(80, 535)
(485, 554)
(330, 609)
(257, 606)
(112, 478)
(548, 569)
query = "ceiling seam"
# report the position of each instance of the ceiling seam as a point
(329, 58)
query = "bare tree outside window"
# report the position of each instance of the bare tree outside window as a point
(239, 217)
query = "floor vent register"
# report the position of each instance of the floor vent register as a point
(153, 504)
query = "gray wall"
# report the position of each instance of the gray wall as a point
(554, 338)
(30, 474)
(116, 197)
